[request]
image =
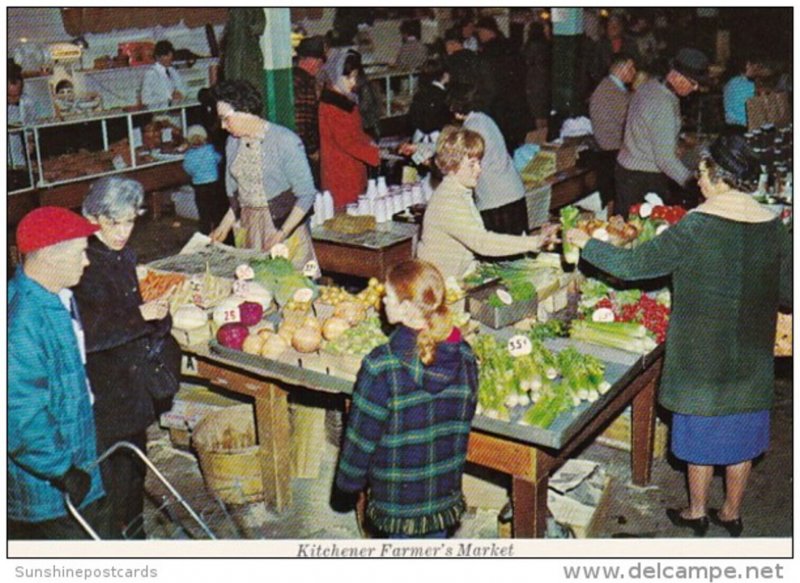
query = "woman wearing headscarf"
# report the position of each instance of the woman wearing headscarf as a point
(730, 261)
(345, 150)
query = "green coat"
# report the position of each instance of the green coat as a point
(728, 279)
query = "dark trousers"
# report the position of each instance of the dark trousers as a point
(211, 204)
(123, 478)
(511, 219)
(604, 162)
(97, 514)
(632, 186)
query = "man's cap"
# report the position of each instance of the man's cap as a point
(311, 46)
(693, 64)
(50, 225)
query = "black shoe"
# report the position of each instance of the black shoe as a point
(734, 527)
(698, 525)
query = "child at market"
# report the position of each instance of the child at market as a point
(201, 163)
(412, 408)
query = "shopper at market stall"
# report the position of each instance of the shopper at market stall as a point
(268, 180)
(429, 111)
(162, 85)
(345, 149)
(648, 159)
(452, 231)
(500, 194)
(608, 109)
(413, 53)
(51, 432)
(413, 404)
(738, 90)
(133, 363)
(311, 57)
(730, 261)
(201, 163)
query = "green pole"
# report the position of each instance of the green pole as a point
(567, 32)
(276, 46)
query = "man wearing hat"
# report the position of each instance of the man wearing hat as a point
(51, 431)
(648, 158)
(310, 58)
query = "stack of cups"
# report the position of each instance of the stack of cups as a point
(381, 212)
(372, 188)
(352, 209)
(382, 188)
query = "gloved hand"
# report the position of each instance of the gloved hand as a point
(76, 483)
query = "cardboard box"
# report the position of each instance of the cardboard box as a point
(618, 435)
(566, 155)
(480, 309)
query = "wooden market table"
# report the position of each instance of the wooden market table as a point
(369, 254)
(529, 455)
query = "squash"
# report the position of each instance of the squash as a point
(334, 327)
(274, 345)
(252, 344)
(189, 317)
(307, 339)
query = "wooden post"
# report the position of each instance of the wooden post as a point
(643, 423)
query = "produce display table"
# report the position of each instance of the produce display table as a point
(528, 454)
(369, 254)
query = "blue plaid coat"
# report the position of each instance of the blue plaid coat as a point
(407, 434)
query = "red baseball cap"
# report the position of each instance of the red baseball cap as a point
(49, 225)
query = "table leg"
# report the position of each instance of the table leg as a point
(643, 429)
(529, 502)
(272, 420)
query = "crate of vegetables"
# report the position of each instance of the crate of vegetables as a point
(499, 306)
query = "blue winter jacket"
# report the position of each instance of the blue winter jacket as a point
(202, 164)
(50, 421)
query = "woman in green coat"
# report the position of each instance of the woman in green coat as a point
(730, 262)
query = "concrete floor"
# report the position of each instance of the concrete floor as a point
(628, 511)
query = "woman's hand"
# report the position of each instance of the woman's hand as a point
(221, 233)
(154, 310)
(577, 238)
(407, 149)
(547, 236)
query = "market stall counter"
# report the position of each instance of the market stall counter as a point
(528, 454)
(368, 254)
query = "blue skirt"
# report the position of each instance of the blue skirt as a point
(721, 440)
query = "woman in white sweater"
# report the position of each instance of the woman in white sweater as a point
(452, 230)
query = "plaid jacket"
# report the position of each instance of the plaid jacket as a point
(306, 109)
(407, 434)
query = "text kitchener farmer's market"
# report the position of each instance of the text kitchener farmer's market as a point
(403, 550)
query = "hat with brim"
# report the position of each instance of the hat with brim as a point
(692, 64)
(312, 46)
(50, 225)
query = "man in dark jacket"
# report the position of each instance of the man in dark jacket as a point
(311, 56)
(504, 93)
(430, 111)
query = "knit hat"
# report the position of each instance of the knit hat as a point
(693, 64)
(312, 46)
(733, 154)
(50, 225)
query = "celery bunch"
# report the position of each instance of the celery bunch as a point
(622, 335)
(569, 220)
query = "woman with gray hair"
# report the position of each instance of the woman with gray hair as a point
(132, 362)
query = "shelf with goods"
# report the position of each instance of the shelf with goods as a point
(19, 170)
(397, 88)
(110, 142)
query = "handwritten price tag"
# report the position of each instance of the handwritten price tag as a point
(231, 316)
(519, 345)
(240, 288)
(310, 269)
(279, 250)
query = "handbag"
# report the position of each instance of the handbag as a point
(280, 207)
(160, 368)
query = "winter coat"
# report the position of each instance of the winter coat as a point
(50, 422)
(407, 434)
(109, 298)
(345, 149)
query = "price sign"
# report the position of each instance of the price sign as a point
(279, 250)
(231, 316)
(519, 345)
(240, 288)
(505, 297)
(311, 269)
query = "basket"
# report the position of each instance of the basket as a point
(225, 442)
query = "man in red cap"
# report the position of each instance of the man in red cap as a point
(51, 432)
